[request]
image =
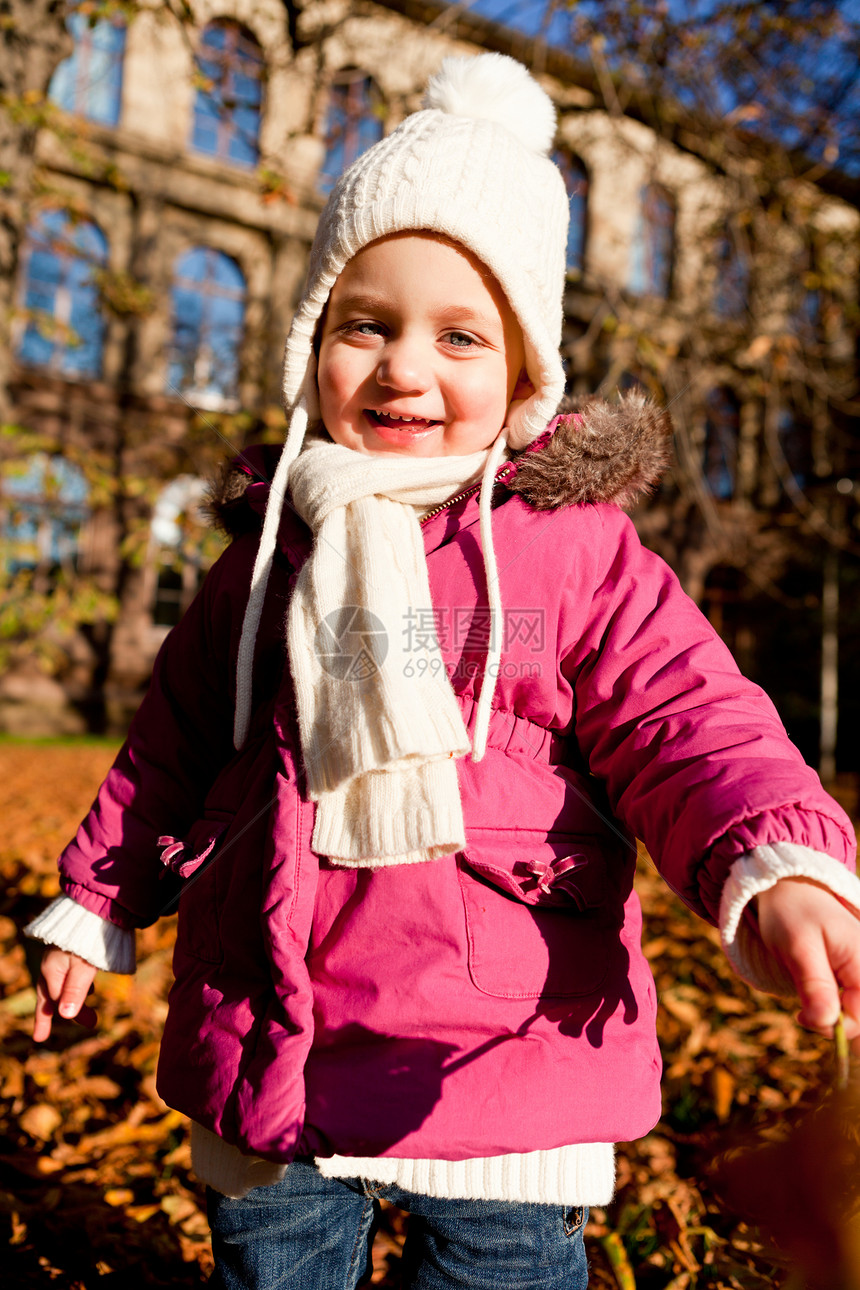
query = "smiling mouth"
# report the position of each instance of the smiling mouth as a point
(412, 425)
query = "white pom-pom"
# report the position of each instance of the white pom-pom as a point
(493, 87)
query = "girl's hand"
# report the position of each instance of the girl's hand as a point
(64, 983)
(818, 940)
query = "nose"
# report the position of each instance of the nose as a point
(404, 366)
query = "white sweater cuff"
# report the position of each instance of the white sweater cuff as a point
(223, 1167)
(757, 871)
(69, 926)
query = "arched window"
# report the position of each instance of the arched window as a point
(722, 427)
(576, 182)
(43, 503)
(175, 530)
(89, 81)
(354, 122)
(208, 307)
(653, 244)
(65, 328)
(229, 96)
(731, 297)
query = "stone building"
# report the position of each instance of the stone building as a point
(181, 176)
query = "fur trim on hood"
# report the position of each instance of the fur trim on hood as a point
(598, 452)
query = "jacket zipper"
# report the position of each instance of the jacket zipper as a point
(467, 492)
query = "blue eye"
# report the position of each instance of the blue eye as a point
(362, 327)
(461, 339)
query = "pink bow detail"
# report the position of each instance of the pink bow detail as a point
(551, 874)
(171, 856)
(173, 847)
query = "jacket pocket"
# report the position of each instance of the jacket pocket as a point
(537, 915)
(197, 860)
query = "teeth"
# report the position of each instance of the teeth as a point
(392, 418)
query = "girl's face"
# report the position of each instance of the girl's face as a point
(420, 352)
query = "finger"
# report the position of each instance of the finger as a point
(53, 972)
(816, 986)
(819, 1000)
(76, 987)
(44, 1013)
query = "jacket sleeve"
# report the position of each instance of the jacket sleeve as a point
(179, 740)
(696, 761)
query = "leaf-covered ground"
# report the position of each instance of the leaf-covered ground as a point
(95, 1181)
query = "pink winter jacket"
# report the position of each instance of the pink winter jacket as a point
(493, 1001)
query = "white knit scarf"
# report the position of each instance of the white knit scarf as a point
(379, 722)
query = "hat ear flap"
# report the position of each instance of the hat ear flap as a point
(310, 389)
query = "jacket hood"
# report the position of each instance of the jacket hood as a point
(594, 451)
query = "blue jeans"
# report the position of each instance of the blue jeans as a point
(313, 1233)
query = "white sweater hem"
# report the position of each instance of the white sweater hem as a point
(583, 1174)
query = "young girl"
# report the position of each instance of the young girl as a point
(396, 754)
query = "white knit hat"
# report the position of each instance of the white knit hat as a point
(473, 165)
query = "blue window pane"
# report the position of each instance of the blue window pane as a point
(46, 503)
(34, 348)
(242, 148)
(105, 73)
(721, 441)
(178, 375)
(78, 275)
(41, 299)
(193, 265)
(246, 89)
(188, 319)
(226, 121)
(215, 37)
(53, 224)
(204, 137)
(83, 355)
(653, 244)
(208, 307)
(353, 124)
(576, 182)
(208, 109)
(62, 87)
(227, 273)
(89, 241)
(731, 298)
(71, 485)
(225, 312)
(59, 260)
(89, 82)
(45, 267)
(210, 69)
